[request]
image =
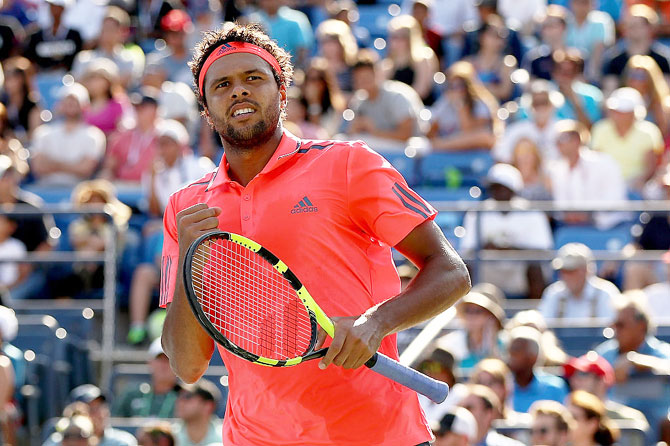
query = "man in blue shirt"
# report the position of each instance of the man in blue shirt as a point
(636, 386)
(531, 385)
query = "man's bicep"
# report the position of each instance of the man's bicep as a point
(425, 241)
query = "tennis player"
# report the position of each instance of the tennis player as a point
(331, 210)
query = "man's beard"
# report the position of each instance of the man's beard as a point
(248, 137)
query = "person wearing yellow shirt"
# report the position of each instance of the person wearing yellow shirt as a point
(634, 143)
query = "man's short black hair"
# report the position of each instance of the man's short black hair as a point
(366, 59)
(235, 32)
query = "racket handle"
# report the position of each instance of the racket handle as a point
(431, 388)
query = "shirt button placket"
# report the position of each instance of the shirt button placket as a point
(246, 210)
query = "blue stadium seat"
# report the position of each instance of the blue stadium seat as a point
(598, 239)
(408, 167)
(456, 169)
(577, 341)
(375, 18)
(72, 319)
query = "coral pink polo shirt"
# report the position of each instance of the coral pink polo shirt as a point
(331, 211)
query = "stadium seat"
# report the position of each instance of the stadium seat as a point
(577, 341)
(76, 321)
(407, 166)
(597, 239)
(375, 18)
(455, 169)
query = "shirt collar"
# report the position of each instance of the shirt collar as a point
(288, 145)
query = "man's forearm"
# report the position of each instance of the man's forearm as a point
(185, 342)
(439, 284)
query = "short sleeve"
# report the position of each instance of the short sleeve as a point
(170, 255)
(380, 201)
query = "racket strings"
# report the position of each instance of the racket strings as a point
(249, 301)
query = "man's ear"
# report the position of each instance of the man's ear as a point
(283, 95)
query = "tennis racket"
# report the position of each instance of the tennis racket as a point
(251, 303)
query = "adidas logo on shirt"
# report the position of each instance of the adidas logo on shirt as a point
(304, 206)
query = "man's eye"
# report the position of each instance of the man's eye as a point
(222, 84)
(253, 78)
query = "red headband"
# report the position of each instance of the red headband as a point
(232, 48)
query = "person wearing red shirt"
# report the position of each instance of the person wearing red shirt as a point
(332, 211)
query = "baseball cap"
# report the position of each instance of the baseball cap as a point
(87, 393)
(593, 363)
(627, 100)
(76, 90)
(204, 389)
(459, 421)
(487, 302)
(145, 97)
(506, 175)
(156, 349)
(176, 21)
(572, 256)
(173, 129)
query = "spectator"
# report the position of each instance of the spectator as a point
(106, 110)
(552, 424)
(159, 400)
(110, 45)
(7, 389)
(494, 66)
(465, 115)
(508, 230)
(635, 144)
(297, 119)
(592, 427)
(528, 160)
(487, 8)
(289, 27)
(9, 327)
(542, 100)
(591, 32)
(579, 293)
(583, 175)
(156, 434)
(633, 332)
(20, 99)
(482, 318)
(12, 35)
(485, 405)
(458, 427)
(174, 167)
(177, 101)
(593, 374)
(530, 383)
(172, 61)
(638, 32)
(98, 410)
(34, 231)
(439, 364)
(552, 353)
(131, 152)
(538, 61)
(643, 74)
(90, 234)
(198, 424)
(338, 46)
(421, 12)
(386, 111)
(54, 166)
(582, 101)
(10, 247)
(325, 102)
(409, 59)
(76, 430)
(347, 12)
(494, 374)
(55, 46)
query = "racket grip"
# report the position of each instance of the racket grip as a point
(431, 388)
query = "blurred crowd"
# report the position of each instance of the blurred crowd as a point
(570, 98)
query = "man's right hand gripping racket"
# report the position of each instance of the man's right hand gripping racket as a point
(251, 303)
